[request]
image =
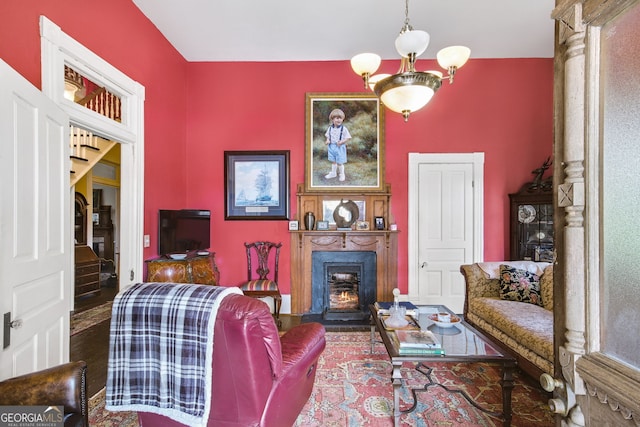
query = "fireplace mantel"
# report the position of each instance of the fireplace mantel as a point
(303, 242)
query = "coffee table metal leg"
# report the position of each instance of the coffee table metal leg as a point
(396, 379)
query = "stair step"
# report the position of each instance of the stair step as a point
(79, 158)
(90, 146)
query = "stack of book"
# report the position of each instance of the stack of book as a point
(418, 342)
(383, 308)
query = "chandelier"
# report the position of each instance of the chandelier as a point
(409, 90)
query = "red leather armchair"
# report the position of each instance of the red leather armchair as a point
(259, 378)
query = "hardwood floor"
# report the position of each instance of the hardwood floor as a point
(92, 345)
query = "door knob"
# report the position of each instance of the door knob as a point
(423, 265)
(8, 325)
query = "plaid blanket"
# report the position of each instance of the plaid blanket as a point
(161, 348)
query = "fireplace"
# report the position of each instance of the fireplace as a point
(304, 243)
(343, 284)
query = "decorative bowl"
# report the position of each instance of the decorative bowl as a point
(177, 256)
(454, 320)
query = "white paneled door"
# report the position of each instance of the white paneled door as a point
(35, 237)
(444, 229)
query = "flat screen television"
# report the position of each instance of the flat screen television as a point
(184, 230)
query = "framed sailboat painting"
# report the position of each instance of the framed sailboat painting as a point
(256, 185)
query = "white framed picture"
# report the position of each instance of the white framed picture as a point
(293, 225)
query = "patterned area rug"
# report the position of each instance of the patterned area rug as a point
(85, 319)
(353, 388)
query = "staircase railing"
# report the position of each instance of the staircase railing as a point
(86, 150)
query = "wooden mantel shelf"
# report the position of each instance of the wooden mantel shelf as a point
(329, 237)
(304, 242)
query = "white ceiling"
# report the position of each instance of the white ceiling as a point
(299, 30)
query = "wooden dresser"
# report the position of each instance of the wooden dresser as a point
(87, 271)
(194, 268)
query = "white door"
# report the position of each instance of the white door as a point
(35, 237)
(444, 231)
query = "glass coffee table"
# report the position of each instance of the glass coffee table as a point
(461, 343)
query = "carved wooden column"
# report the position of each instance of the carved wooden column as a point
(571, 192)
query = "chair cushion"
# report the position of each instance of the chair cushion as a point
(260, 285)
(519, 285)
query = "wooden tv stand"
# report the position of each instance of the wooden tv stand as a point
(201, 269)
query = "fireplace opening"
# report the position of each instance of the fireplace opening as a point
(343, 291)
(343, 284)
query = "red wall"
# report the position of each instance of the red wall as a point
(196, 111)
(118, 32)
(500, 107)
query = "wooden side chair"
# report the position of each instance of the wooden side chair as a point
(265, 284)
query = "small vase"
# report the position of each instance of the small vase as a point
(309, 220)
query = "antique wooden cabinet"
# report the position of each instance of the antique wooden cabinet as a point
(87, 271)
(194, 268)
(532, 223)
(80, 219)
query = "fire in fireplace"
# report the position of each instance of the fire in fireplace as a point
(343, 284)
(343, 291)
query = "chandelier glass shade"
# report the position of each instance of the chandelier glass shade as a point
(409, 90)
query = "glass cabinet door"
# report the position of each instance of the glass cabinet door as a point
(535, 232)
(532, 224)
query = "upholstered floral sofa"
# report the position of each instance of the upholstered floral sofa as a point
(512, 303)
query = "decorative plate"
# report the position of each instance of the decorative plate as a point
(526, 213)
(454, 320)
(346, 214)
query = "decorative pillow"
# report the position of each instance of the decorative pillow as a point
(519, 285)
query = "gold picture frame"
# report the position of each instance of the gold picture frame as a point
(362, 225)
(364, 120)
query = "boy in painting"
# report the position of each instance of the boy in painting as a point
(337, 137)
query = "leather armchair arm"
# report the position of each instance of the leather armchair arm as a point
(60, 385)
(303, 341)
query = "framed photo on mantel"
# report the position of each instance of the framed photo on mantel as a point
(344, 143)
(256, 185)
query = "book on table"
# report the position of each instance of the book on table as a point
(416, 351)
(407, 351)
(417, 339)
